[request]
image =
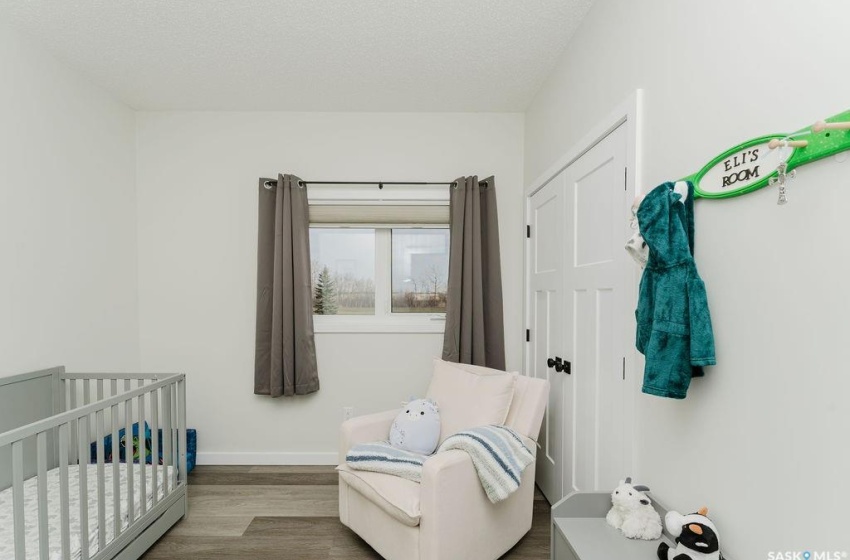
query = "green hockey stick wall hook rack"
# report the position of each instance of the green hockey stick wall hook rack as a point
(770, 159)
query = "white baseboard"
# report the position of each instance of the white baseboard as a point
(272, 458)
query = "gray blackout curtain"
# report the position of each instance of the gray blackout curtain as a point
(475, 330)
(285, 356)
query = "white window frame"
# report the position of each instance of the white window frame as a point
(384, 320)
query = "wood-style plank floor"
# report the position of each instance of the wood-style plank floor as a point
(287, 512)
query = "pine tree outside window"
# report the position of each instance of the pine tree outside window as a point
(343, 270)
(324, 294)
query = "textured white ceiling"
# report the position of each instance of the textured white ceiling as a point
(307, 55)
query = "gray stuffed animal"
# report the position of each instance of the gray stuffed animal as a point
(417, 427)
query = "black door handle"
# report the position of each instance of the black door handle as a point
(562, 365)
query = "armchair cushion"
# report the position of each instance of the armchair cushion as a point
(397, 496)
(470, 396)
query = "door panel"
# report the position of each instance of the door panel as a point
(595, 280)
(546, 281)
(543, 311)
(610, 418)
(594, 212)
(547, 226)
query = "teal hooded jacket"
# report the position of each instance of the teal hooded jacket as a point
(673, 324)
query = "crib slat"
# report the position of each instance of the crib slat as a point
(82, 429)
(116, 464)
(73, 394)
(116, 472)
(64, 502)
(41, 462)
(143, 500)
(154, 445)
(128, 454)
(100, 420)
(166, 436)
(181, 428)
(175, 454)
(63, 402)
(87, 399)
(101, 483)
(18, 497)
(62, 406)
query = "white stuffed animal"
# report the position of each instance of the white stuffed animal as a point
(632, 512)
(695, 534)
(417, 427)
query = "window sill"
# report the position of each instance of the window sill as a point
(425, 325)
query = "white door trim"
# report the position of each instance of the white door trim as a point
(628, 114)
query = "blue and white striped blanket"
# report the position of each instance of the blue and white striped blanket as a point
(382, 457)
(498, 454)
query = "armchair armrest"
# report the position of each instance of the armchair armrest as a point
(454, 506)
(446, 467)
(362, 429)
(458, 520)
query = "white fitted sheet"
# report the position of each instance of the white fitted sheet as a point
(7, 531)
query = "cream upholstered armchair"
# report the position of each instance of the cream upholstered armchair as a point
(447, 516)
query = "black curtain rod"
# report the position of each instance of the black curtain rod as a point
(271, 184)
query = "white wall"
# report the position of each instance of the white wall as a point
(762, 440)
(197, 217)
(67, 218)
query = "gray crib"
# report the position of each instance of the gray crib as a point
(56, 500)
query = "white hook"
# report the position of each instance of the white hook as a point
(785, 143)
(820, 126)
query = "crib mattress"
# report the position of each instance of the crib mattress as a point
(7, 531)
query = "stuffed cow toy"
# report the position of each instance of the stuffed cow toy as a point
(632, 512)
(696, 537)
(417, 427)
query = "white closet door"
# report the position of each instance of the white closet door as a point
(546, 284)
(596, 307)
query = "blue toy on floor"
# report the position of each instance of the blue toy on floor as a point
(191, 446)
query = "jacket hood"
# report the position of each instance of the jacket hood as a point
(667, 225)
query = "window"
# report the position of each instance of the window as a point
(380, 257)
(343, 270)
(420, 269)
(379, 278)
